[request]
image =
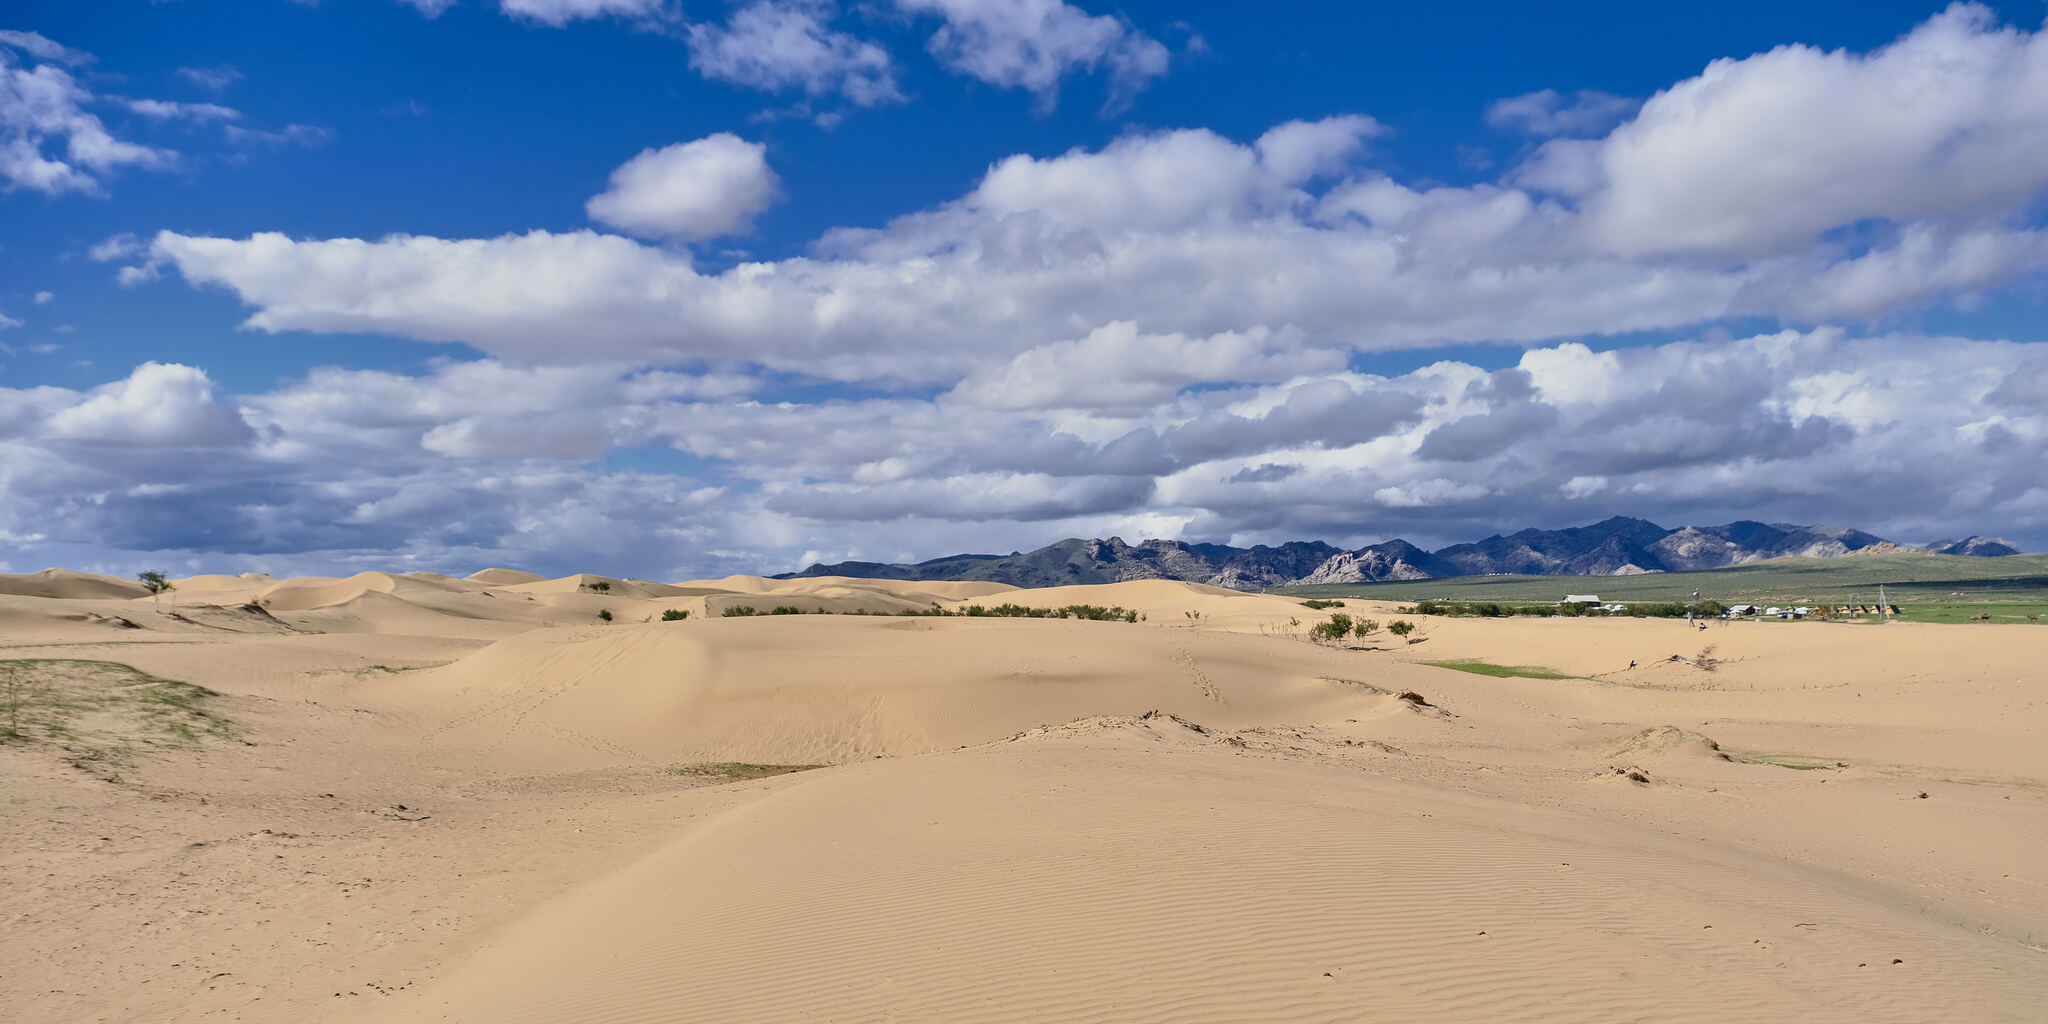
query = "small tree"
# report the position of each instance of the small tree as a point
(605, 614)
(154, 582)
(1401, 628)
(675, 615)
(601, 587)
(1366, 628)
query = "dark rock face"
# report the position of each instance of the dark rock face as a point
(1618, 546)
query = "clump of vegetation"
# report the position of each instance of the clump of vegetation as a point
(20, 691)
(601, 587)
(737, 771)
(60, 698)
(1336, 628)
(1007, 610)
(604, 614)
(1318, 605)
(1092, 612)
(1365, 628)
(675, 614)
(1487, 668)
(1401, 628)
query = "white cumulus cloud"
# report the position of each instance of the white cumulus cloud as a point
(783, 44)
(713, 186)
(49, 141)
(1032, 44)
(1756, 156)
(160, 405)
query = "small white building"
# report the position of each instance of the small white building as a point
(1581, 599)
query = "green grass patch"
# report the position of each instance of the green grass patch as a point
(1796, 762)
(1994, 612)
(1927, 588)
(1487, 668)
(76, 698)
(736, 771)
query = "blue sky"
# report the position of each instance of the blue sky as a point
(671, 289)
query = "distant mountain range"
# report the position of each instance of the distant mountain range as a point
(1618, 547)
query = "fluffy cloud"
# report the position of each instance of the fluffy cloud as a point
(691, 190)
(791, 44)
(1116, 367)
(1173, 179)
(49, 141)
(160, 405)
(783, 44)
(1046, 250)
(1757, 156)
(1032, 44)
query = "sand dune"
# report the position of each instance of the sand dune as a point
(65, 585)
(852, 687)
(503, 577)
(1143, 878)
(416, 797)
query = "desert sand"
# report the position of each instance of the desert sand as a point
(425, 798)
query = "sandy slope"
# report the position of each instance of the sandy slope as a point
(63, 584)
(471, 800)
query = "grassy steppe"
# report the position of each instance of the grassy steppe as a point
(1927, 588)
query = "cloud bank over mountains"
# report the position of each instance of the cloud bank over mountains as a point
(486, 462)
(1168, 335)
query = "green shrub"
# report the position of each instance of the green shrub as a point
(1401, 627)
(1337, 628)
(1366, 627)
(675, 615)
(739, 611)
(1319, 605)
(785, 609)
(605, 614)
